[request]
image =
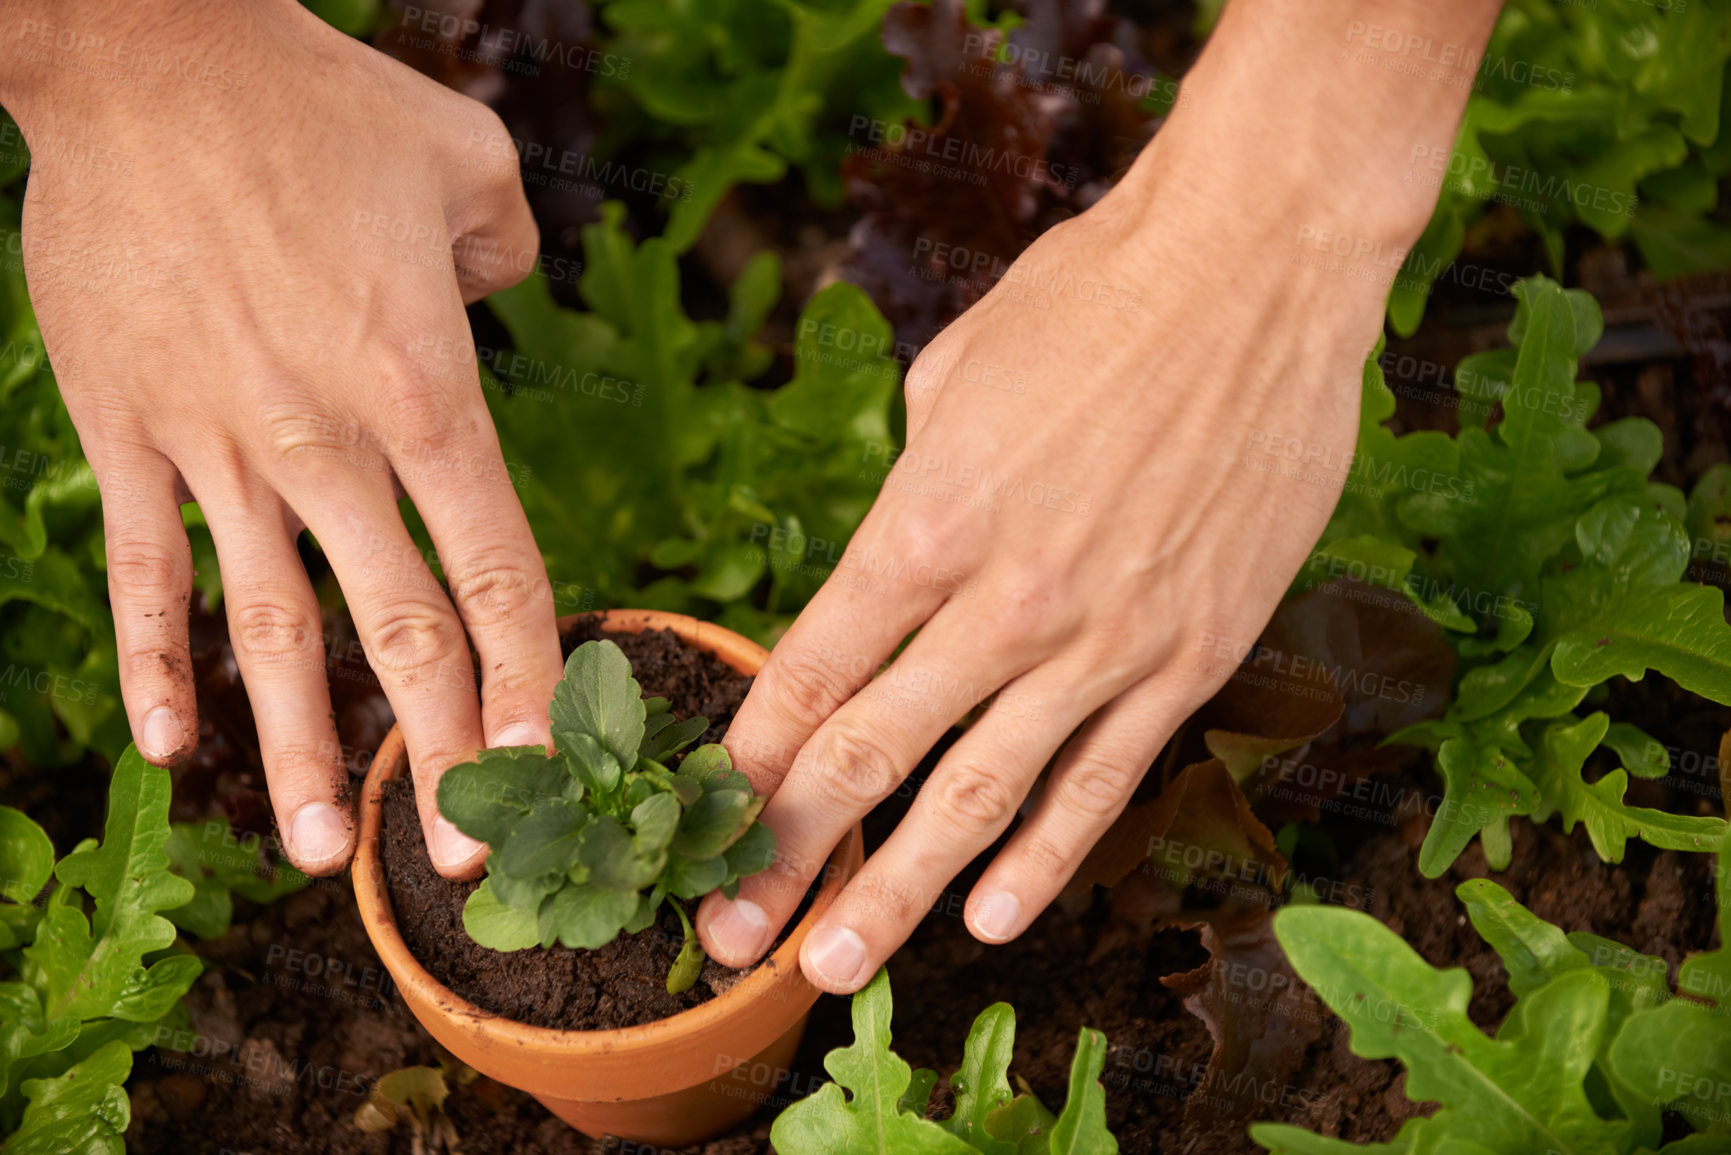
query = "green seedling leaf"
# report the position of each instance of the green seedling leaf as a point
(26, 857)
(1563, 749)
(754, 851)
(1641, 755)
(590, 764)
(673, 738)
(485, 798)
(715, 822)
(693, 878)
(545, 841)
(1524, 1090)
(599, 697)
(496, 925)
(586, 917)
(1081, 1127)
(877, 1104)
(96, 969)
(653, 822)
(861, 1110)
(614, 860)
(982, 1086)
(683, 974)
(84, 1110)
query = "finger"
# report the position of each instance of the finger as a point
(835, 646)
(959, 812)
(851, 764)
(411, 637)
(447, 456)
(277, 635)
(1095, 776)
(149, 585)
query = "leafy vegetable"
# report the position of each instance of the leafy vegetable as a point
(735, 501)
(1594, 1049)
(1552, 564)
(591, 840)
(89, 981)
(1605, 114)
(878, 1103)
(85, 1109)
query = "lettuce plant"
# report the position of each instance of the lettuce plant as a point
(589, 839)
(88, 986)
(1552, 564)
(1595, 1048)
(885, 1101)
(1609, 115)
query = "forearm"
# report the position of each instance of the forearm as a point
(1320, 108)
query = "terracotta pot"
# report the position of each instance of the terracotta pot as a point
(672, 1082)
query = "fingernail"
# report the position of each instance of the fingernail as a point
(739, 929)
(998, 917)
(518, 734)
(837, 954)
(320, 833)
(162, 735)
(451, 847)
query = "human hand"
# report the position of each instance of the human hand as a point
(1102, 476)
(255, 300)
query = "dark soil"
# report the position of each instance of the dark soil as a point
(622, 984)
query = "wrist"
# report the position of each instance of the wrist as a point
(1310, 118)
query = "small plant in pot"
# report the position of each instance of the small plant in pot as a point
(588, 842)
(589, 839)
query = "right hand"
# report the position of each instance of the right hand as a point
(255, 300)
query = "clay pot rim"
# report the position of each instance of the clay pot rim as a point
(737, 1002)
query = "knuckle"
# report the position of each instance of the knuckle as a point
(973, 797)
(1095, 786)
(290, 428)
(807, 688)
(495, 596)
(878, 897)
(1046, 859)
(420, 412)
(270, 632)
(413, 639)
(150, 568)
(1027, 611)
(855, 768)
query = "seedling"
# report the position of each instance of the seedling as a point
(589, 839)
(885, 1104)
(416, 1096)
